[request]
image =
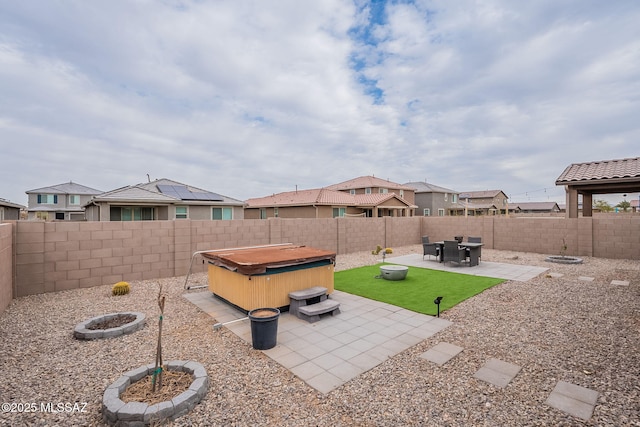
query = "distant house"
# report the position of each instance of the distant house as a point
(326, 203)
(432, 200)
(373, 185)
(162, 199)
(535, 207)
(490, 202)
(10, 211)
(63, 202)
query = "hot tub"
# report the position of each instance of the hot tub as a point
(263, 276)
(394, 272)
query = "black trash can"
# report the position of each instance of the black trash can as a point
(264, 327)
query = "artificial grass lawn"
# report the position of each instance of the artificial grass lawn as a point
(417, 291)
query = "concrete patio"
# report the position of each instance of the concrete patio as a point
(328, 353)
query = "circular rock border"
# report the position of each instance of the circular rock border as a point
(564, 259)
(82, 332)
(117, 412)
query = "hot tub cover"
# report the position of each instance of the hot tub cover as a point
(256, 260)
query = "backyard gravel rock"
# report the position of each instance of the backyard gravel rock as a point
(555, 328)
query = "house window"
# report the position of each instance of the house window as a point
(402, 194)
(440, 212)
(263, 213)
(47, 199)
(367, 190)
(446, 196)
(182, 212)
(74, 199)
(42, 215)
(59, 215)
(426, 212)
(221, 213)
(275, 213)
(383, 190)
(352, 191)
(339, 212)
(131, 213)
(454, 198)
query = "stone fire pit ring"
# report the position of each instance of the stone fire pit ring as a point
(117, 412)
(394, 272)
(82, 331)
(564, 259)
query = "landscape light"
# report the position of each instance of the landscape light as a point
(437, 302)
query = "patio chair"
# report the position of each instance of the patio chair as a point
(429, 248)
(475, 240)
(453, 252)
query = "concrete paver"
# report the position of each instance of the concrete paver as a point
(441, 353)
(573, 399)
(620, 282)
(497, 372)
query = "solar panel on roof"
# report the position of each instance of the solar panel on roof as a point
(183, 193)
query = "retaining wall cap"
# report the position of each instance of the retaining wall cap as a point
(184, 402)
(158, 412)
(137, 374)
(132, 411)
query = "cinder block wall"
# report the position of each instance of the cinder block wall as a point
(53, 256)
(617, 236)
(6, 265)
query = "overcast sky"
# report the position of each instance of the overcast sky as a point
(250, 98)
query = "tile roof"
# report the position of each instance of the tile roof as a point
(479, 194)
(367, 182)
(535, 206)
(425, 187)
(315, 196)
(66, 188)
(321, 196)
(600, 170)
(480, 206)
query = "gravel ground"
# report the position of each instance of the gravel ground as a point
(586, 333)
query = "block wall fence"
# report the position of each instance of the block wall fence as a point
(38, 257)
(6, 265)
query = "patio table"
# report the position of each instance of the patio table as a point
(474, 251)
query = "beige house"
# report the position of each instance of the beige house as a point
(326, 203)
(162, 199)
(490, 202)
(372, 185)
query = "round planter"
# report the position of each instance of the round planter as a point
(564, 259)
(82, 331)
(394, 272)
(264, 327)
(117, 412)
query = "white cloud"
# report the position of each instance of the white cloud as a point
(247, 98)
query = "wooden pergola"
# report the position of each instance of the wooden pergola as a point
(600, 177)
